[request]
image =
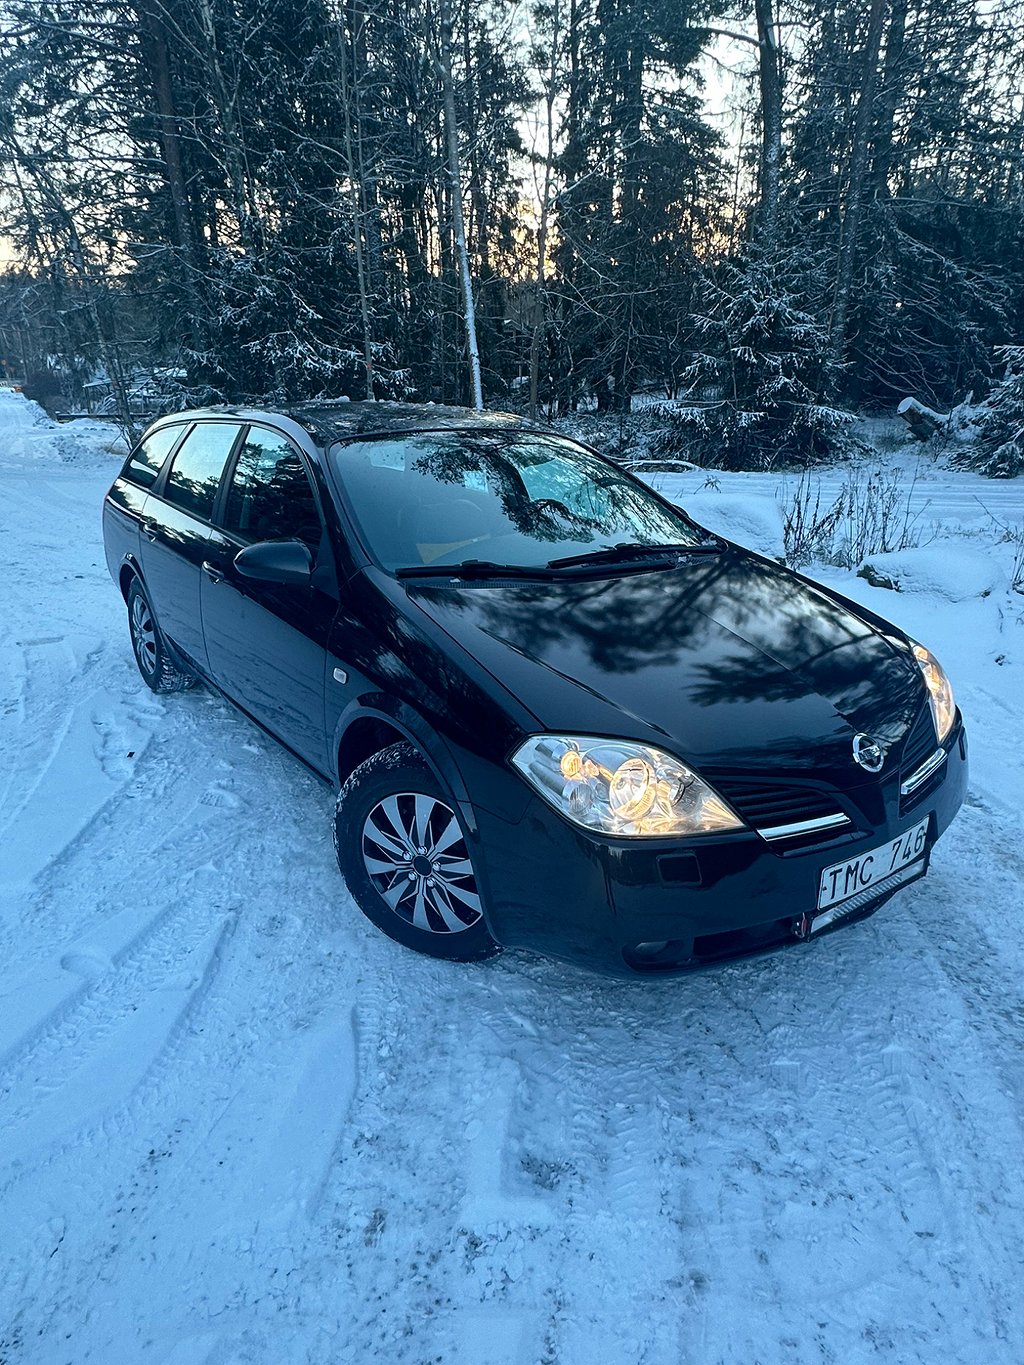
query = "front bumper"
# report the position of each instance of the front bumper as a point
(624, 907)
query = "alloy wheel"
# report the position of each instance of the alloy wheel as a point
(416, 858)
(143, 633)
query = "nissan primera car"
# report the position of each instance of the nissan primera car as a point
(559, 713)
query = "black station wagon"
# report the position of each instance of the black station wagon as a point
(560, 714)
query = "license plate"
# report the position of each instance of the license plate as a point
(843, 881)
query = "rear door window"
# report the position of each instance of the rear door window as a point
(270, 496)
(147, 461)
(195, 474)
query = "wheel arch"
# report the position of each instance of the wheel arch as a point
(128, 571)
(374, 723)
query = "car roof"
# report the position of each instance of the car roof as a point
(328, 420)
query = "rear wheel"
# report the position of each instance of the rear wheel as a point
(403, 853)
(159, 670)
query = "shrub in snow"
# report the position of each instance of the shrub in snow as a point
(870, 516)
(766, 355)
(998, 449)
(1017, 569)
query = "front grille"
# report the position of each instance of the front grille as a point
(767, 805)
(920, 742)
(920, 746)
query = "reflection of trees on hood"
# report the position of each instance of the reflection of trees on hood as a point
(619, 625)
(861, 691)
(790, 639)
(811, 644)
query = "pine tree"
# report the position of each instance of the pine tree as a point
(640, 173)
(762, 370)
(999, 444)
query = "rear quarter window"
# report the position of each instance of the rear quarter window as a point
(145, 462)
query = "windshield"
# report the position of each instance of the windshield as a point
(436, 498)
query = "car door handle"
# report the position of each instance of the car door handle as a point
(149, 528)
(214, 574)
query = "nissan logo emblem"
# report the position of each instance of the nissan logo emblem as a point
(867, 753)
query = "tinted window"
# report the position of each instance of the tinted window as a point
(198, 465)
(270, 497)
(515, 498)
(146, 462)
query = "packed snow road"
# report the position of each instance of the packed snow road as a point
(237, 1125)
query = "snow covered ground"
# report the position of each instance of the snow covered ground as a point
(237, 1125)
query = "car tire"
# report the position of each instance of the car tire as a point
(160, 671)
(389, 809)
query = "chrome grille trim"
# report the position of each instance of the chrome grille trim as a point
(920, 775)
(799, 827)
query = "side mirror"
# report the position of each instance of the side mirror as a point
(276, 561)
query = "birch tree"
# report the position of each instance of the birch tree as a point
(443, 58)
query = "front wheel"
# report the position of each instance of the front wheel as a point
(403, 853)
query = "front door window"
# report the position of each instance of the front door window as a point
(270, 496)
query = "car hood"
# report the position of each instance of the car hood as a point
(729, 660)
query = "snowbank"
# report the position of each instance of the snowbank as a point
(25, 426)
(752, 521)
(29, 436)
(953, 572)
(751, 517)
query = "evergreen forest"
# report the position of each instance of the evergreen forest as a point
(770, 213)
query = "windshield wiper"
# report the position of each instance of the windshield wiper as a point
(625, 553)
(646, 556)
(475, 568)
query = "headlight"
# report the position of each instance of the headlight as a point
(940, 691)
(616, 787)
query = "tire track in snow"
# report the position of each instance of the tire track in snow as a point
(506, 1211)
(160, 826)
(403, 1278)
(79, 742)
(867, 1228)
(183, 832)
(92, 1054)
(131, 953)
(78, 1140)
(605, 1162)
(757, 1080)
(962, 931)
(491, 1198)
(37, 1002)
(507, 1133)
(613, 1148)
(38, 727)
(229, 1173)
